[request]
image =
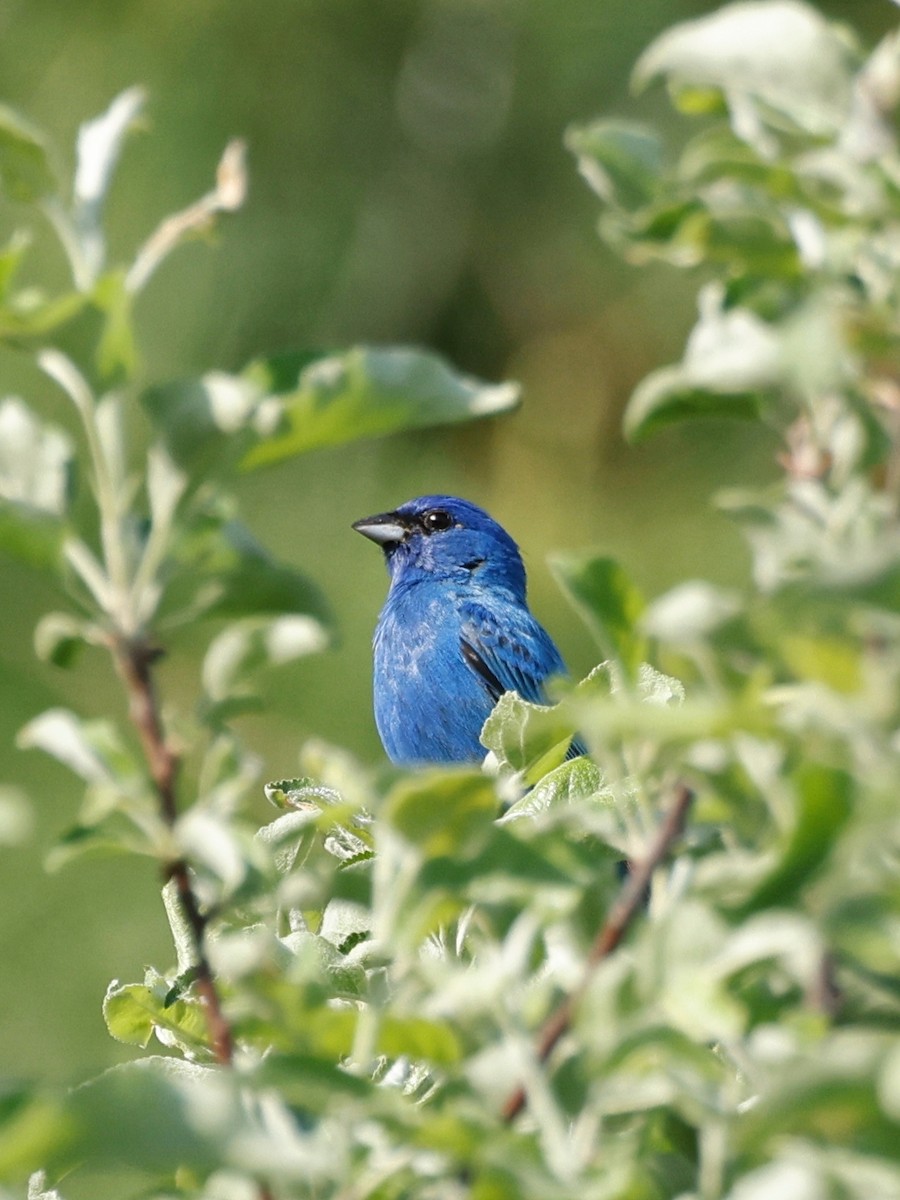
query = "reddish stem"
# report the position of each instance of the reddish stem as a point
(629, 903)
(134, 661)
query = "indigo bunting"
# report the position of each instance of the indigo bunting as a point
(455, 632)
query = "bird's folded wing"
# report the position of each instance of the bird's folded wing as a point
(508, 651)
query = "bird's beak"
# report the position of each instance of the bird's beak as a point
(383, 528)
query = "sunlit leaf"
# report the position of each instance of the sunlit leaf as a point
(443, 812)
(35, 478)
(732, 358)
(248, 645)
(133, 1012)
(99, 147)
(690, 612)
(92, 749)
(767, 58)
(527, 738)
(299, 402)
(369, 392)
(573, 781)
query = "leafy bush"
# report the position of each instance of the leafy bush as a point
(389, 990)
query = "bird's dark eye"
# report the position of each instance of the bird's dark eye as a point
(436, 520)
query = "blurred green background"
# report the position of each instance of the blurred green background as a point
(408, 185)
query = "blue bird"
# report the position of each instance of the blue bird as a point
(455, 632)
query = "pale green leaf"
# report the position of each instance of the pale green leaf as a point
(449, 812)
(16, 819)
(767, 58)
(99, 147)
(92, 749)
(527, 738)
(370, 392)
(247, 646)
(690, 612)
(620, 160)
(35, 479)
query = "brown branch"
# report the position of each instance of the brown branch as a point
(134, 660)
(626, 907)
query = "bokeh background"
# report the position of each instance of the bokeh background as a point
(408, 185)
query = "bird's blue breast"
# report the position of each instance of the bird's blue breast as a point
(429, 704)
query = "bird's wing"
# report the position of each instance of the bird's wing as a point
(509, 651)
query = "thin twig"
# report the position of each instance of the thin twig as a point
(134, 661)
(628, 904)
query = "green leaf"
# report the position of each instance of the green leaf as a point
(133, 1012)
(111, 835)
(58, 638)
(157, 1115)
(29, 315)
(731, 360)
(775, 63)
(420, 1038)
(823, 805)
(294, 403)
(25, 173)
(572, 782)
(620, 160)
(247, 646)
(311, 1083)
(827, 1096)
(92, 749)
(35, 469)
(369, 392)
(11, 257)
(100, 144)
(209, 424)
(608, 601)
(115, 355)
(33, 1127)
(15, 816)
(528, 738)
(443, 812)
(690, 613)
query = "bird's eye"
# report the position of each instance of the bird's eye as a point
(436, 520)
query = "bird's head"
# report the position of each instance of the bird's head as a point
(445, 537)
